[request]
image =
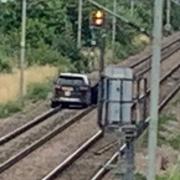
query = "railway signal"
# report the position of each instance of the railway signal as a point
(97, 18)
(97, 22)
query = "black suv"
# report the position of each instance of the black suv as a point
(71, 88)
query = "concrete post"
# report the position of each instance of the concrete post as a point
(114, 29)
(79, 24)
(23, 46)
(155, 76)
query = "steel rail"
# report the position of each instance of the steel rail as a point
(142, 127)
(163, 78)
(150, 56)
(162, 60)
(70, 159)
(106, 148)
(4, 139)
(14, 159)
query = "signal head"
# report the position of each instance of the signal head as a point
(97, 18)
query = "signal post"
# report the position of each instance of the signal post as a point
(97, 24)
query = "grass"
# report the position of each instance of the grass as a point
(38, 87)
(175, 103)
(9, 88)
(139, 176)
(9, 108)
(36, 91)
(174, 141)
(173, 174)
(163, 119)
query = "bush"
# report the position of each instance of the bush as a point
(175, 142)
(120, 51)
(38, 91)
(5, 65)
(65, 65)
(46, 55)
(65, 44)
(9, 108)
(174, 174)
(43, 55)
(139, 176)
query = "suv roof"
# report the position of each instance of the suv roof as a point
(83, 76)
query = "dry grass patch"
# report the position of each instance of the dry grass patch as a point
(9, 87)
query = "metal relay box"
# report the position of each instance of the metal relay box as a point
(117, 96)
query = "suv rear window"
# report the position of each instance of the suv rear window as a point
(67, 80)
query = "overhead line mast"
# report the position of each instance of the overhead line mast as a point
(155, 75)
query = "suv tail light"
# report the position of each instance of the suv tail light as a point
(58, 87)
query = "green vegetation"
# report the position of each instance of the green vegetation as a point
(176, 102)
(36, 91)
(174, 174)
(175, 142)
(139, 176)
(5, 65)
(163, 119)
(9, 108)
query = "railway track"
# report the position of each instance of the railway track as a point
(4, 139)
(83, 149)
(167, 48)
(13, 160)
(165, 55)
